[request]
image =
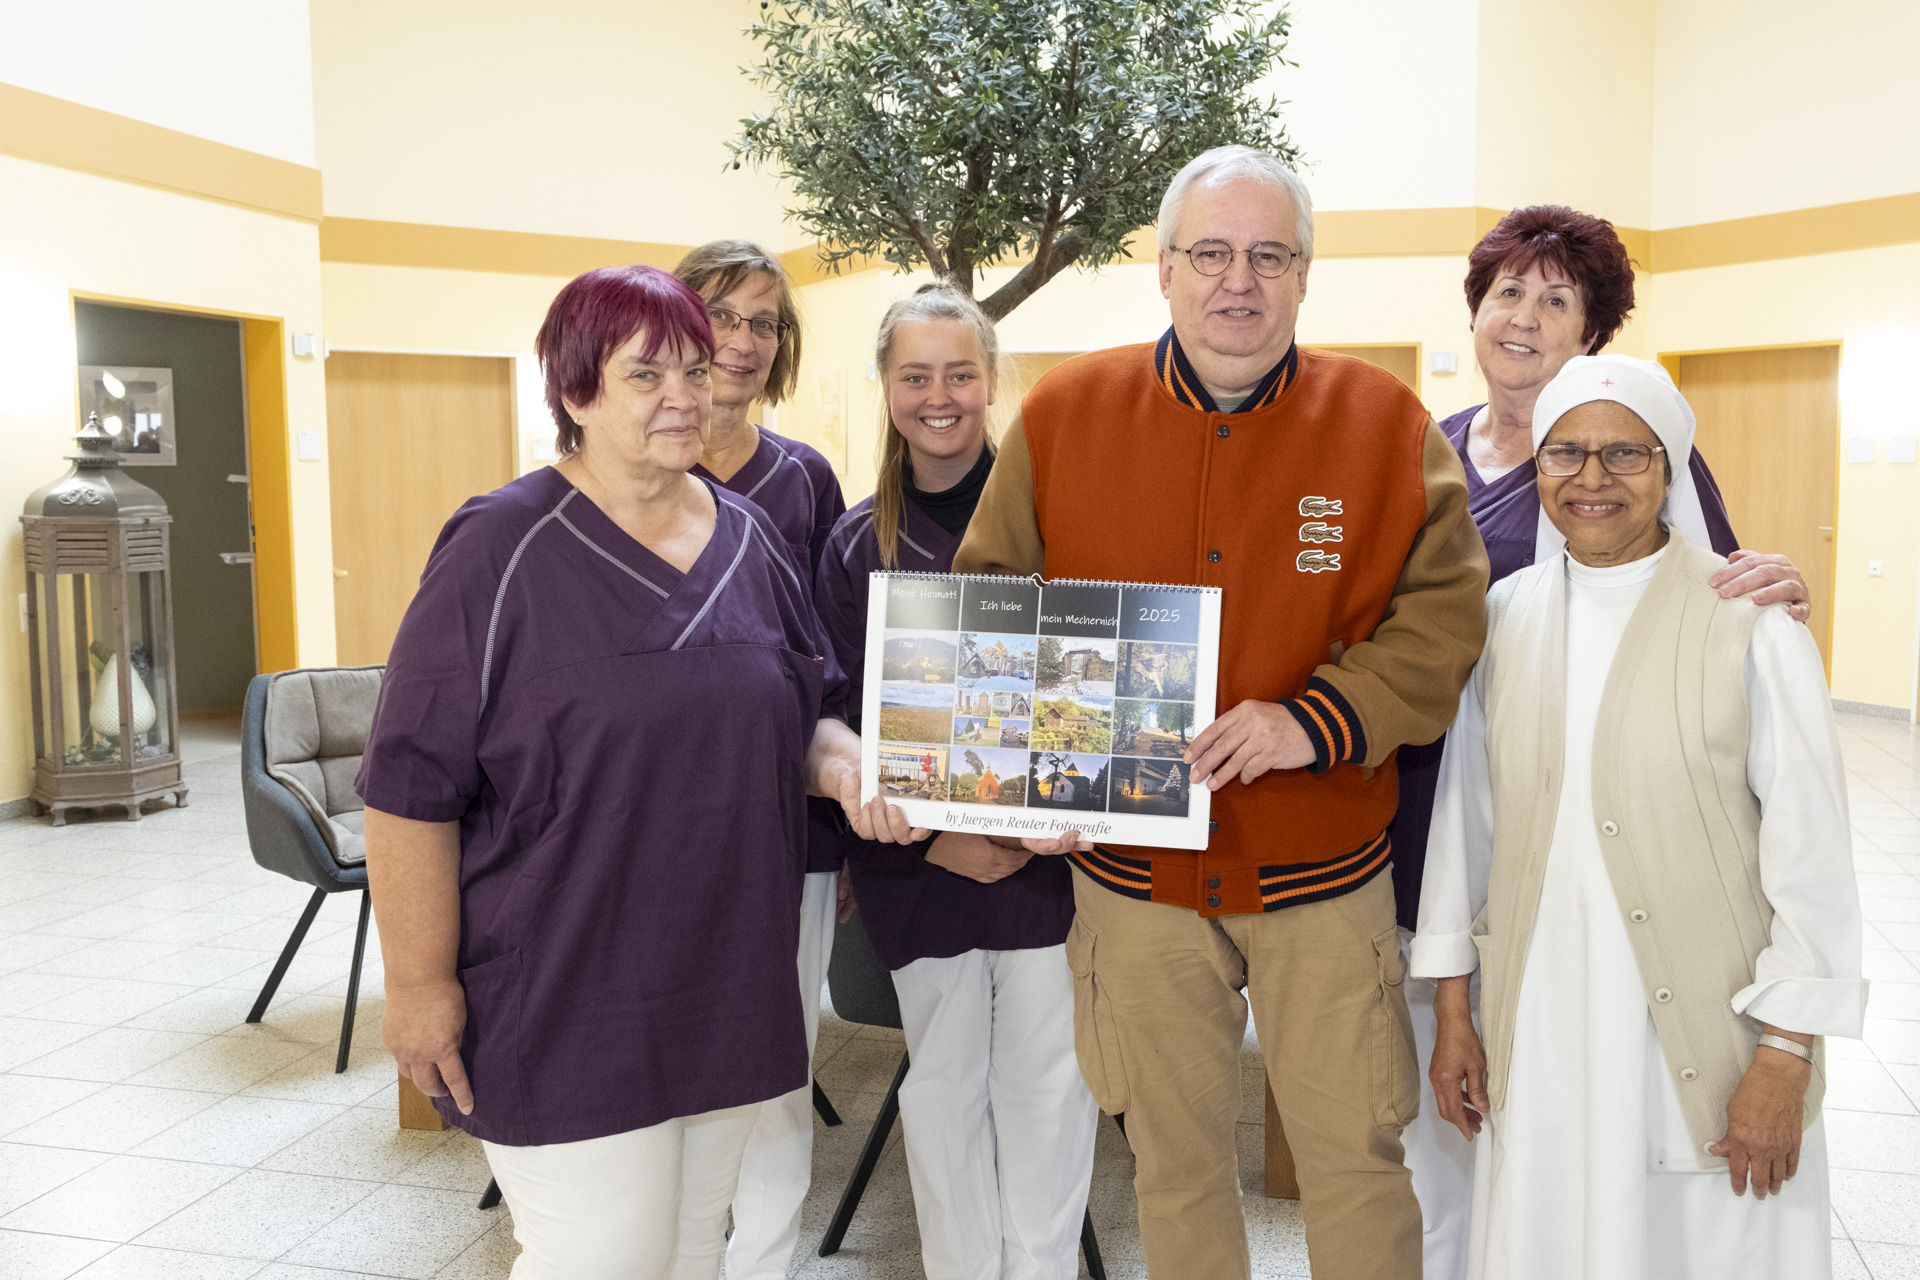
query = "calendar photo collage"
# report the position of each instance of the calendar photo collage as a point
(1062, 699)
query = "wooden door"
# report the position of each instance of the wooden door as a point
(1769, 428)
(413, 437)
(1401, 359)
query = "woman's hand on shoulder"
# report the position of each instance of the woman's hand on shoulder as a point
(1458, 1068)
(1769, 579)
(422, 1027)
(1765, 1120)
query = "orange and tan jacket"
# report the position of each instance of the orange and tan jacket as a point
(1353, 586)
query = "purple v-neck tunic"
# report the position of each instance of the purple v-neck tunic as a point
(624, 748)
(795, 485)
(913, 909)
(1507, 509)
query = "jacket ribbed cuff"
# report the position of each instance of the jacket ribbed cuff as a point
(1332, 725)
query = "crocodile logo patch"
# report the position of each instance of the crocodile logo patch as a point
(1317, 508)
(1316, 562)
(1315, 531)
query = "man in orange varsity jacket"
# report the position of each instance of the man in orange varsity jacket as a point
(1316, 492)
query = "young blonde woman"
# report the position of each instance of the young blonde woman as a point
(999, 1126)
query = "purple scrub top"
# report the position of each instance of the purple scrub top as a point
(624, 748)
(795, 485)
(913, 909)
(1507, 509)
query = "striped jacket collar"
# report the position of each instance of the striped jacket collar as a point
(1176, 374)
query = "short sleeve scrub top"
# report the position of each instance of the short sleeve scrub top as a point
(624, 748)
(795, 486)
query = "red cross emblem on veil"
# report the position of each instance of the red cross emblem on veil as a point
(1606, 382)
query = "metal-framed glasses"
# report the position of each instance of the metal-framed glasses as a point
(725, 321)
(1269, 258)
(1621, 459)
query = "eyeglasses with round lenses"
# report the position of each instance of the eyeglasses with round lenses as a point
(725, 321)
(1621, 459)
(1269, 258)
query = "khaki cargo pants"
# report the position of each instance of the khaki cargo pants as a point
(1159, 1013)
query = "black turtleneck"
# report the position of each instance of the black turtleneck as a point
(952, 508)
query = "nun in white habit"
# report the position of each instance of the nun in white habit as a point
(1640, 843)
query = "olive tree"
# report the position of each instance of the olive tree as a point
(954, 134)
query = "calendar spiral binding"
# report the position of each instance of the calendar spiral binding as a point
(1034, 579)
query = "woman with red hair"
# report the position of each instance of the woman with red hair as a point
(1548, 283)
(585, 824)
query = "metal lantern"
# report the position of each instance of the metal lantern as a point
(106, 721)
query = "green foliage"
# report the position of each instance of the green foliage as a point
(956, 133)
(974, 763)
(1176, 717)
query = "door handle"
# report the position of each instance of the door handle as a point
(236, 557)
(339, 573)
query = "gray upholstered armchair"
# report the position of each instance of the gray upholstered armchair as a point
(303, 733)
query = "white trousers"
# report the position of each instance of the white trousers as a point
(999, 1124)
(649, 1204)
(778, 1166)
(1440, 1160)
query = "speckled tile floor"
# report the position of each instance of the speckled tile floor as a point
(147, 1132)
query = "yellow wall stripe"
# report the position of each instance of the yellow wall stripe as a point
(1833, 228)
(49, 130)
(521, 253)
(1339, 233)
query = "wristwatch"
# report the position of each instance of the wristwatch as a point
(1785, 1045)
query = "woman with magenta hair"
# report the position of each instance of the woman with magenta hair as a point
(586, 822)
(1545, 285)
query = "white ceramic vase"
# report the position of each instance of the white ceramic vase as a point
(105, 717)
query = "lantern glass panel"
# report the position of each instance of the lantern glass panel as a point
(148, 634)
(86, 652)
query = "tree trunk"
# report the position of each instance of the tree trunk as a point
(1027, 281)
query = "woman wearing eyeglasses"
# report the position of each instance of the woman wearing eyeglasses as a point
(756, 358)
(1546, 285)
(1641, 844)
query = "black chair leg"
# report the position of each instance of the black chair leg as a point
(1090, 1246)
(828, 1116)
(491, 1197)
(353, 982)
(294, 940)
(869, 1157)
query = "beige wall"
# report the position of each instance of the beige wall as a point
(1766, 105)
(235, 71)
(1382, 101)
(591, 118)
(1565, 106)
(63, 232)
(1870, 302)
